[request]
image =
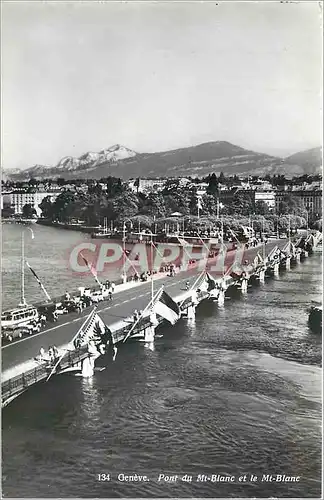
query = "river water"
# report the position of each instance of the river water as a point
(236, 391)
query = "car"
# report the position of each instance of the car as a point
(97, 296)
(11, 334)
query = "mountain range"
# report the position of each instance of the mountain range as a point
(196, 161)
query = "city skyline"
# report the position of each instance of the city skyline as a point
(185, 74)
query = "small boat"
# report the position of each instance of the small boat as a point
(315, 317)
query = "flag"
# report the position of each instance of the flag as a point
(97, 331)
(167, 308)
(39, 281)
(93, 329)
(108, 339)
(91, 269)
(210, 282)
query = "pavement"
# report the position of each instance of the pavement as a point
(126, 299)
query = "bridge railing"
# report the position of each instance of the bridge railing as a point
(21, 382)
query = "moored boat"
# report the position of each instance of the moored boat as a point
(315, 317)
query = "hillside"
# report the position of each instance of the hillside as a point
(196, 161)
(310, 160)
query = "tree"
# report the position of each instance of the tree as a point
(125, 205)
(242, 204)
(28, 211)
(137, 184)
(222, 178)
(261, 208)
(292, 205)
(209, 204)
(212, 185)
(64, 206)
(154, 205)
(46, 207)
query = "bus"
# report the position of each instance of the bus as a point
(19, 317)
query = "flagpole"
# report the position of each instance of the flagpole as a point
(23, 301)
(124, 252)
(39, 281)
(91, 270)
(146, 308)
(73, 339)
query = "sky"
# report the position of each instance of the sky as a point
(82, 76)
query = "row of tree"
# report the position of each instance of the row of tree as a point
(117, 203)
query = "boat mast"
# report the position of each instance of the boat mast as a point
(124, 252)
(23, 301)
(222, 237)
(152, 284)
(263, 246)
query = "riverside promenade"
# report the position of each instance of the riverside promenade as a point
(18, 358)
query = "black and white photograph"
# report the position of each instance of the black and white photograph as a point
(161, 249)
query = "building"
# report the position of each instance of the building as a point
(202, 188)
(268, 196)
(18, 199)
(310, 194)
(147, 185)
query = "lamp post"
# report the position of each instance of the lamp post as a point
(124, 277)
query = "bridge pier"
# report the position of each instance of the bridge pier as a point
(288, 263)
(244, 285)
(276, 269)
(191, 311)
(262, 276)
(149, 334)
(221, 298)
(87, 367)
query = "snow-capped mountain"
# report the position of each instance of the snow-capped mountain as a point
(111, 155)
(72, 165)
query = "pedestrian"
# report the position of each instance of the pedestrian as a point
(41, 353)
(55, 352)
(51, 353)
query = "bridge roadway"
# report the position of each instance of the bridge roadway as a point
(123, 305)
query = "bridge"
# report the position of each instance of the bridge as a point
(21, 368)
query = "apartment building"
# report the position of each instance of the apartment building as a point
(18, 199)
